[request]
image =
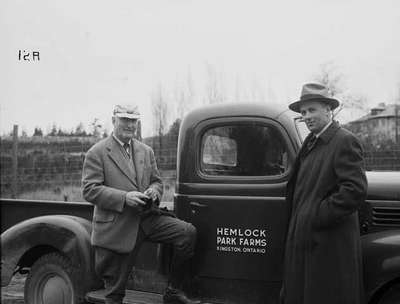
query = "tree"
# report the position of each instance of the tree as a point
(80, 130)
(257, 92)
(53, 131)
(214, 86)
(184, 95)
(329, 77)
(335, 82)
(159, 109)
(139, 131)
(96, 127)
(61, 132)
(397, 115)
(37, 132)
(174, 128)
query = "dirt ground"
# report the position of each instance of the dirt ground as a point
(14, 292)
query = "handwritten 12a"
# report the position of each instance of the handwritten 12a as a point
(26, 56)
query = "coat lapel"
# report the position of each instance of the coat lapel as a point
(138, 158)
(117, 156)
(325, 137)
(330, 132)
(293, 176)
(304, 148)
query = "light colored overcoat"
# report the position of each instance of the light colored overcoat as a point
(107, 176)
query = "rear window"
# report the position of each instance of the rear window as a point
(243, 150)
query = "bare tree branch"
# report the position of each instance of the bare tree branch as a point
(214, 86)
(329, 76)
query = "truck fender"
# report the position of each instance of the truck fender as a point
(381, 259)
(23, 243)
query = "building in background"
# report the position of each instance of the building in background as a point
(380, 127)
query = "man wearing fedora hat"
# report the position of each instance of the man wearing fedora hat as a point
(326, 188)
(121, 179)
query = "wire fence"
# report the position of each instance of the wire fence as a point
(382, 160)
(53, 169)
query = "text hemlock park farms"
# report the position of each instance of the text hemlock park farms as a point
(240, 240)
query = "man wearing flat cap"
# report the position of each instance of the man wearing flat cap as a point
(327, 187)
(120, 177)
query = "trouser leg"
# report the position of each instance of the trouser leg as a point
(182, 235)
(114, 268)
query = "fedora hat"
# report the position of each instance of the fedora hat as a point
(314, 92)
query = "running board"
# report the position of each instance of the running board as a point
(136, 297)
(131, 297)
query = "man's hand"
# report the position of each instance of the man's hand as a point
(151, 193)
(135, 199)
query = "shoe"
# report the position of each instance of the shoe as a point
(176, 296)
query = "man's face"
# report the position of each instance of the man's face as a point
(316, 115)
(124, 128)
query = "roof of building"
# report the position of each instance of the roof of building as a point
(380, 111)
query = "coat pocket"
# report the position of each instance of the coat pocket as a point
(103, 216)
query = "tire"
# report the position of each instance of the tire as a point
(53, 280)
(391, 295)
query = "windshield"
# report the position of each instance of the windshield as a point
(301, 127)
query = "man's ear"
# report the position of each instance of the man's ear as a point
(328, 109)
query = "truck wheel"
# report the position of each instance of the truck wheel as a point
(53, 280)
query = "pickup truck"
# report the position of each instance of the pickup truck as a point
(233, 163)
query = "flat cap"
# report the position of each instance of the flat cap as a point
(127, 111)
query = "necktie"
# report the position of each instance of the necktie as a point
(311, 142)
(127, 149)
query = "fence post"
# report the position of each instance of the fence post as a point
(14, 183)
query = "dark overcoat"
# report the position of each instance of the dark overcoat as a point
(323, 254)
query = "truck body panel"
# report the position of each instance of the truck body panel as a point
(381, 259)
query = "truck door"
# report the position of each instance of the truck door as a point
(236, 197)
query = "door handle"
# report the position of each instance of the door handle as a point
(198, 205)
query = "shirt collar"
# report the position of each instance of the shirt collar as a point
(120, 142)
(323, 129)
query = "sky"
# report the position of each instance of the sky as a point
(95, 54)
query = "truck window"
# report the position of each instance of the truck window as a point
(250, 149)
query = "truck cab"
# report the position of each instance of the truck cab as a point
(232, 168)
